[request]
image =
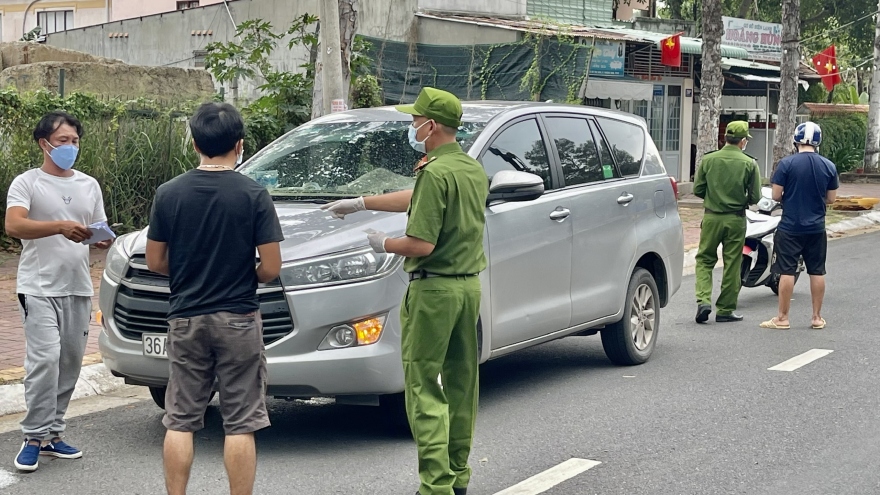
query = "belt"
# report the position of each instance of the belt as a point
(423, 274)
(739, 213)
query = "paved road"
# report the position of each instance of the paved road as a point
(704, 416)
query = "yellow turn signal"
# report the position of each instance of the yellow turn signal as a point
(369, 331)
(99, 318)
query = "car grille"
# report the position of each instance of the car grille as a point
(139, 311)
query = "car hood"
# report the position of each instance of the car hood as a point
(310, 231)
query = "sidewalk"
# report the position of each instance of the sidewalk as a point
(12, 338)
(11, 334)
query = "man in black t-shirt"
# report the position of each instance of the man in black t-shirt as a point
(204, 228)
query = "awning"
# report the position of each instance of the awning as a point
(752, 77)
(616, 89)
(727, 63)
(694, 46)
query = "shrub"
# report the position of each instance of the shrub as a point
(843, 139)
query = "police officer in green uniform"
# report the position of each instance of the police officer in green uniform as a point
(728, 181)
(443, 247)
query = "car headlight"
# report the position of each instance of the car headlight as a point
(116, 262)
(340, 268)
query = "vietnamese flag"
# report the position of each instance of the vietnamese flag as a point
(826, 65)
(670, 51)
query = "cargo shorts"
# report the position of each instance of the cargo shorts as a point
(225, 346)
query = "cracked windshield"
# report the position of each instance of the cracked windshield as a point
(321, 162)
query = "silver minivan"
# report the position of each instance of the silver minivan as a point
(582, 236)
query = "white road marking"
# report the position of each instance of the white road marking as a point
(542, 482)
(804, 359)
(7, 479)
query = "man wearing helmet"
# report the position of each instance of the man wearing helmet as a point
(806, 183)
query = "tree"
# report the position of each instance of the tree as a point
(789, 71)
(712, 80)
(872, 140)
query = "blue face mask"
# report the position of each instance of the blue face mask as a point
(64, 156)
(413, 140)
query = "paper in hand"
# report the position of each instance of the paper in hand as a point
(100, 232)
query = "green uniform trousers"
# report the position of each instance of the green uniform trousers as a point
(438, 319)
(729, 230)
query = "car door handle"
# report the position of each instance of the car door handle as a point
(625, 199)
(559, 214)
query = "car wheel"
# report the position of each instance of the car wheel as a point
(631, 340)
(158, 395)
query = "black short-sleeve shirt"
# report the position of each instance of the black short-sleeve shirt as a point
(213, 223)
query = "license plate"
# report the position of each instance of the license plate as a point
(155, 345)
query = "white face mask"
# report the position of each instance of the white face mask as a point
(413, 140)
(745, 144)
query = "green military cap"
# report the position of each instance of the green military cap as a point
(738, 129)
(437, 105)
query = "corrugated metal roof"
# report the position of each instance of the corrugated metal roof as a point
(694, 46)
(534, 26)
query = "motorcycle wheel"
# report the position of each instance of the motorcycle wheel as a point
(773, 283)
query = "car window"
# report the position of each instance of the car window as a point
(578, 154)
(627, 143)
(341, 159)
(519, 147)
(604, 152)
(653, 163)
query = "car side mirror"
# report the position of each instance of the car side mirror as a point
(511, 185)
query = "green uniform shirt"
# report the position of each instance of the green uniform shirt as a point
(728, 180)
(448, 210)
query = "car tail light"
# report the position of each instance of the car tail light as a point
(674, 187)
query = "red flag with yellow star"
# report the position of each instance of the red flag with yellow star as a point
(670, 51)
(826, 65)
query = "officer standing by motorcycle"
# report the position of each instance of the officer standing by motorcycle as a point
(728, 180)
(443, 247)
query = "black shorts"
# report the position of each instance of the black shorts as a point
(790, 247)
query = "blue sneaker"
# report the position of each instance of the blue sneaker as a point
(28, 458)
(61, 450)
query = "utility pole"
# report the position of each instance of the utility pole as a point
(331, 52)
(788, 88)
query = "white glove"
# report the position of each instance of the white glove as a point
(377, 240)
(345, 206)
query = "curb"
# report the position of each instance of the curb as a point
(94, 379)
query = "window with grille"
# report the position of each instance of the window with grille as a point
(53, 21)
(673, 124)
(655, 123)
(188, 4)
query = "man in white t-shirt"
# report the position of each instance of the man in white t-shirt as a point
(49, 209)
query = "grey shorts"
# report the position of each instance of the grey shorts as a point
(226, 346)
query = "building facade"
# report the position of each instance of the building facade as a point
(18, 17)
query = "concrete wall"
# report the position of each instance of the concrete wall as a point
(387, 19)
(12, 14)
(128, 9)
(117, 80)
(168, 40)
(437, 32)
(22, 53)
(511, 8)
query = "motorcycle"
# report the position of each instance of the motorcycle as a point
(758, 253)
